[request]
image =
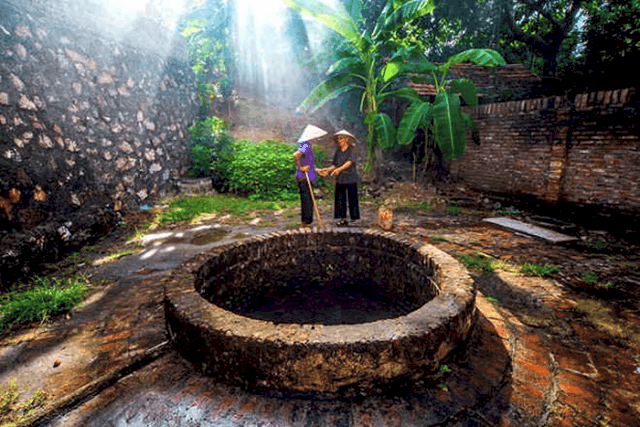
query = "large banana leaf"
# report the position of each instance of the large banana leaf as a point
(411, 120)
(328, 90)
(339, 21)
(467, 89)
(391, 69)
(449, 124)
(485, 57)
(385, 131)
(395, 17)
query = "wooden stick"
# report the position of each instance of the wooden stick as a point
(315, 207)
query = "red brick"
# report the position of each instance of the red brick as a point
(540, 370)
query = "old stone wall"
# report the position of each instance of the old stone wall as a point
(81, 111)
(94, 111)
(582, 151)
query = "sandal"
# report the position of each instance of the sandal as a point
(342, 223)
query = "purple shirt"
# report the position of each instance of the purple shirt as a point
(307, 159)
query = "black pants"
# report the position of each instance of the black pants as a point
(346, 192)
(306, 203)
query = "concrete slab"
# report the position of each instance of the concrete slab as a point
(531, 230)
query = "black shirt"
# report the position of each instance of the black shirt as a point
(347, 176)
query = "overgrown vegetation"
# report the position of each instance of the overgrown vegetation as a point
(208, 29)
(211, 150)
(262, 170)
(42, 298)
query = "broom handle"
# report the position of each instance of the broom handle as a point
(315, 207)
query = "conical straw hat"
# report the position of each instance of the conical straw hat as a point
(352, 139)
(311, 132)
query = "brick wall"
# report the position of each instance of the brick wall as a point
(583, 151)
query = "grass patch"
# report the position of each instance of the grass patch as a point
(534, 269)
(484, 263)
(44, 298)
(184, 209)
(291, 214)
(437, 239)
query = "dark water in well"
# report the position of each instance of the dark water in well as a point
(326, 302)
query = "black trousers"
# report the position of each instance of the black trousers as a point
(306, 203)
(344, 193)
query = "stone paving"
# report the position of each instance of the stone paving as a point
(537, 357)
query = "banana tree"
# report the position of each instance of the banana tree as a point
(443, 118)
(360, 63)
(369, 62)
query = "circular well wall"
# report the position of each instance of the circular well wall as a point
(320, 311)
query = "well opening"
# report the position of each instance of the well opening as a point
(320, 311)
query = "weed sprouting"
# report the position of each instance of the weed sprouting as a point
(590, 277)
(534, 269)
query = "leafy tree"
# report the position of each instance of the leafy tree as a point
(611, 43)
(372, 63)
(545, 26)
(207, 29)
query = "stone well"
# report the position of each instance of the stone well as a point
(223, 313)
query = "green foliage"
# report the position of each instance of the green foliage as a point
(207, 29)
(477, 262)
(485, 263)
(590, 277)
(211, 149)
(597, 244)
(534, 269)
(45, 298)
(265, 169)
(453, 210)
(188, 208)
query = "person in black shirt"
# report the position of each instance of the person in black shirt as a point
(343, 169)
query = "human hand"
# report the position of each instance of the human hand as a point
(335, 173)
(304, 168)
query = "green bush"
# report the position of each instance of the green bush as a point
(264, 169)
(211, 150)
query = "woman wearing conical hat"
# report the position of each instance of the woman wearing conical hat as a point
(305, 163)
(343, 169)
